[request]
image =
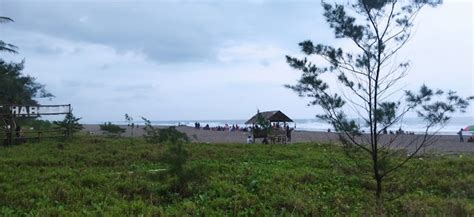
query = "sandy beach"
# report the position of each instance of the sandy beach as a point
(441, 143)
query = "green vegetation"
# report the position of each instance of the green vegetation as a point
(105, 176)
(17, 88)
(34, 123)
(70, 125)
(156, 135)
(112, 129)
(370, 74)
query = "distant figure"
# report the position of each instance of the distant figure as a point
(249, 140)
(197, 125)
(329, 130)
(470, 139)
(265, 140)
(19, 135)
(461, 139)
(18, 131)
(400, 131)
(385, 131)
(288, 133)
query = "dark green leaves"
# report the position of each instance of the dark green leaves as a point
(6, 47)
(172, 135)
(16, 88)
(157, 135)
(431, 106)
(386, 112)
(70, 124)
(263, 124)
(112, 129)
(375, 4)
(344, 26)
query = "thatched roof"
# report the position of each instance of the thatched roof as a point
(272, 116)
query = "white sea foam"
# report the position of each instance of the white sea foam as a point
(409, 124)
(415, 125)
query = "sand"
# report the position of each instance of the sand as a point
(441, 143)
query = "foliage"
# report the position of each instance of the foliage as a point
(159, 136)
(131, 126)
(112, 129)
(368, 73)
(171, 135)
(6, 47)
(36, 124)
(130, 123)
(263, 124)
(70, 124)
(16, 88)
(151, 134)
(107, 177)
(262, 127)
(176, 157)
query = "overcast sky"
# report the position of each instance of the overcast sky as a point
(181, 60)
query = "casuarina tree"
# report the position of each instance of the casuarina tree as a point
(15, 87)
(369, 74)
(70, 125)
(4, 46)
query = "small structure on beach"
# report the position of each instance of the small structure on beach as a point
(278, 121)
(272, 116)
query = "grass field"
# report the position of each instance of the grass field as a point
(100, 176)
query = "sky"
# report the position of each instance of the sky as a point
(204, 59)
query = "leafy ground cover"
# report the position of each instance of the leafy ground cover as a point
(113, 177)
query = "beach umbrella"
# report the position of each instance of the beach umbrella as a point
(469, 128)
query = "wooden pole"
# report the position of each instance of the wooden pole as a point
(10, 128)
(69, 133)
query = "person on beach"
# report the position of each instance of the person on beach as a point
(461, 139)
(470, 139)
(288, 133)
(249, 140)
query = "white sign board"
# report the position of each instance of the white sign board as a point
(35, 111)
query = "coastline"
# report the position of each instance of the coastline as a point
(442, 143)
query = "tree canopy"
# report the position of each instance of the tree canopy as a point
(6, 47)
(15, 87)
(369, 72)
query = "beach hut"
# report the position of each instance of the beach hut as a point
(277, 118)
(272, 116)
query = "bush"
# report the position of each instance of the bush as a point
(112, 129)
(70, 125)
(156, 135)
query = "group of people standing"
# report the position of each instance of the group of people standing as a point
(226, 127)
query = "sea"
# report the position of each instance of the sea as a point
(409, 124)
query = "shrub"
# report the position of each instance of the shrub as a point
(112, 129)
(156, 135)
(69, 124)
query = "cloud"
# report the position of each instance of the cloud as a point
(249, 52)
(102, 82)
(166, 31)
(199, 60)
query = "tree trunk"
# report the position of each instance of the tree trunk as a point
(378, 196)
